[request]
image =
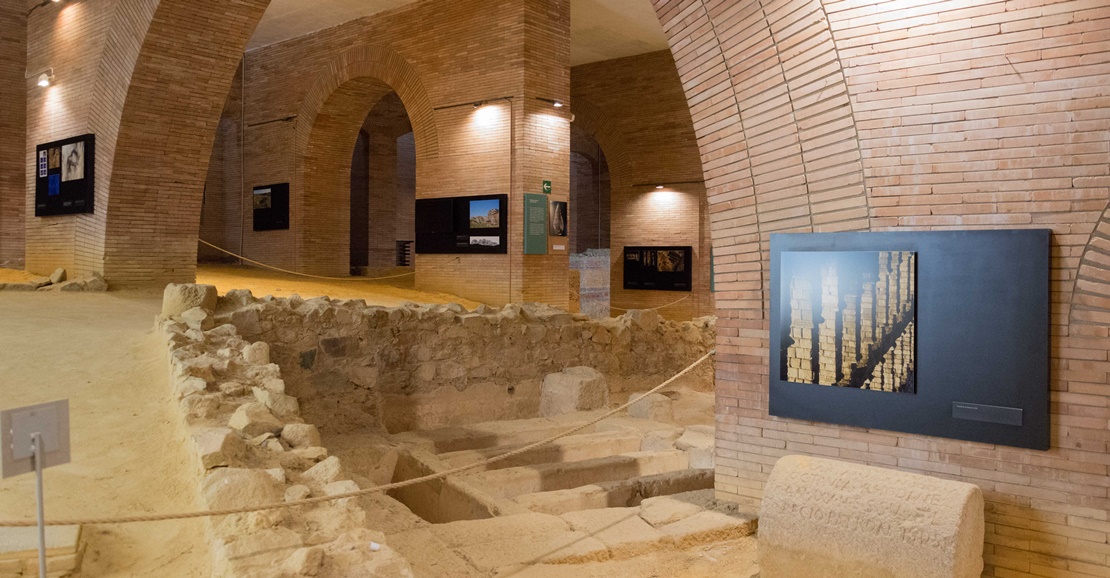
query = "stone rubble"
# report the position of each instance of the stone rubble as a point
(427, 366)
(93, 282)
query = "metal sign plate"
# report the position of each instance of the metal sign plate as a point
(51, 420)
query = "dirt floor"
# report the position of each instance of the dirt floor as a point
(388, 293)
(100, 352)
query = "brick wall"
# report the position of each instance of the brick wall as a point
(847, 115)
(13, 128)
(222, 216)
(635, 108)
(301, 129)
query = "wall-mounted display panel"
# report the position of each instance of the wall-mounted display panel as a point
(658, 268)
(64, 176)
(271, 207)
(462, 224)
(933, 333)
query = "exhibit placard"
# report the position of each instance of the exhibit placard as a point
(535, 224)
(271, 207)
(940, 333)
(64, 176)
(453, 225)
(658, 268)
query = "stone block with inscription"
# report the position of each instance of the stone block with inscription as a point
(825, 518)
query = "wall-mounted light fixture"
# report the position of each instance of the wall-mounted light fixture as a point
(44, 78)
(41, 4)
(555, 103)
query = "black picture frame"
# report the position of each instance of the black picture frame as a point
(270, 207)
(65, 176)
(462, 225)
(982, 339)
(664, 268)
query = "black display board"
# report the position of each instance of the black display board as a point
(658, 268)
(960, 322)
(64, 176)
(271, 207)
(462, 224)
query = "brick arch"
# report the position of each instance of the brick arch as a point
(377, 62)
(591, 120)
(774, 124)
(1090, 300)
(168, 85)
(331, 114)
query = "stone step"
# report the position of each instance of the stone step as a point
(512, 482)
(570, 449)
(19, 551)
(513, 433)
(616, 494)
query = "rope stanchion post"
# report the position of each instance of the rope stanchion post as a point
(376, 489)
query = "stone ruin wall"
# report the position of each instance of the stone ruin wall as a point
(421, 367)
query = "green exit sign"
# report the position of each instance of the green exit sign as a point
(547, 187)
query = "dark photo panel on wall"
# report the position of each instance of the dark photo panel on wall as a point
(658, 268)
(64, 176)
(462, 225)
(934, 333)
(271, 207)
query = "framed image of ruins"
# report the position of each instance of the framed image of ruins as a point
(851, 319)
(861, 332)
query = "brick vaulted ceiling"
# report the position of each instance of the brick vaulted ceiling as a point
(600, 29)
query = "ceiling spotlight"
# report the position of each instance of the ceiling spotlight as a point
(46, 78)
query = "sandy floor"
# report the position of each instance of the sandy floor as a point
(262, 282)
(735, 559)
(14, 276)
(99, 350)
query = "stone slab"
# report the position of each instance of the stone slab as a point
(621, 530)
(706, 527)
(824, 517)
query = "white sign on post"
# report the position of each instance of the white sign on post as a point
(50, 420)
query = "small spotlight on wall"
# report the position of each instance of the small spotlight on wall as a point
(46, 78)
(478, 104)
(555, 103)
(658, 186)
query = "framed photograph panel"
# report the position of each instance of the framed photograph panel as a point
(64, 176)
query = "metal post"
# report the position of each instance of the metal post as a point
(36, 448)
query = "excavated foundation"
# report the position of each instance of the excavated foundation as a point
(322, 397)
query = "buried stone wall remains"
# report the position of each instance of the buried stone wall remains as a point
(421, 367)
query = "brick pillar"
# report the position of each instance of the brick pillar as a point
(882, 297)
(13, 130)
(799, 356)
(541, 147)
(828, 373)
(849, 337)
(867, 321)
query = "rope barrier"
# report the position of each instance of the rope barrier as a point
(653, 308)
(376, 489)
(264, 265)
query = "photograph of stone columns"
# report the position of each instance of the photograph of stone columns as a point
(851, 319)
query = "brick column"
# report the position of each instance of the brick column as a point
(826, 340)
(799, 356)
(13, 130)
(849, 351)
